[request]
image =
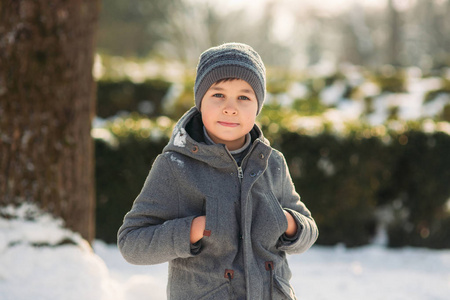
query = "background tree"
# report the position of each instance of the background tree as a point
(133, 27)
(288, 33)
(394, 40)
(46, 107)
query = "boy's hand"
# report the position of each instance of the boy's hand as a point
(292, 225)
(197, 228)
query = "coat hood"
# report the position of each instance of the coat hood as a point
(188, 139)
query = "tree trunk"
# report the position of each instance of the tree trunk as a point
(47, 101)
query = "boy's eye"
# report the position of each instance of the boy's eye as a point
(218, 95)
(243, 98)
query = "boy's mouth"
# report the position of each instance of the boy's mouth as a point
(228, 124)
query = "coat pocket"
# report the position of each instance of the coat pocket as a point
(277, 212)
(222, 292)
(210, 208)
(284, 288)
(268, 220)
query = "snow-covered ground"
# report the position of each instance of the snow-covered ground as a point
(34, 265)
(321, 273)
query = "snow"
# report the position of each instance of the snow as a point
(411, 104)
(180, 138)
(367, 104)
(179, 162)
(332, 94)
(326, 166)
(73, 270)
(105, 135)
(353, 99)
(433, 108)
(40, 259)
(297, 90)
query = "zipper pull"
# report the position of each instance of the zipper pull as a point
(240, 173)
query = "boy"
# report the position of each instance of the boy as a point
(219, 204)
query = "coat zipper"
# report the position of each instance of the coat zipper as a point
(239, 168)
(240, 173)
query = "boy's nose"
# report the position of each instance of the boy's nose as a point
(229, 110)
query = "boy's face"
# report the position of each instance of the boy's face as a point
(229, 112)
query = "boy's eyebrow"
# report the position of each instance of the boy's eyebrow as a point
(218, 88)
(247, 91)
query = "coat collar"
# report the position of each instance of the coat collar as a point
(188, 139)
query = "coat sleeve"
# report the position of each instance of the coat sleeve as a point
(151, 232)
(307, 232)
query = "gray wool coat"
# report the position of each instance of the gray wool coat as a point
(242, 254)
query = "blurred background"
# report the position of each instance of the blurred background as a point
(358, 101)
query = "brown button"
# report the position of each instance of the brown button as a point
(261, 156)
(195, 149)
(229, 274)
(269, 265)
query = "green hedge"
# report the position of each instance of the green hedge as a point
(353, 180)
(120, 175)
(421, 186)
(343, 180)
(336, 179)
(126, 95)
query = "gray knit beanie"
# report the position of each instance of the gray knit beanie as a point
(231, 60)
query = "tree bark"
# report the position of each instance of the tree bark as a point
(47, 101)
